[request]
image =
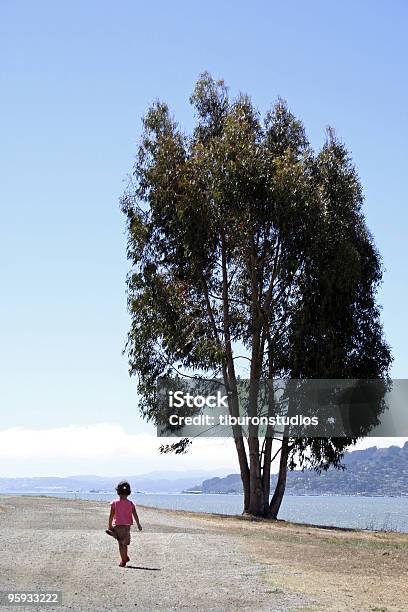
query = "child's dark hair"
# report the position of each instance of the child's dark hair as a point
(123, 488)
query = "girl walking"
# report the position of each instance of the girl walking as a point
(122, 513)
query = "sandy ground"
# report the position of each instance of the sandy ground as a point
(190, 561)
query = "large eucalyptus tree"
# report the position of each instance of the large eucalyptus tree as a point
(242, 239)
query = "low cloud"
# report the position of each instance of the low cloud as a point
(104, 449)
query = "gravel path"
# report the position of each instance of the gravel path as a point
(179, 561)
(191, 561)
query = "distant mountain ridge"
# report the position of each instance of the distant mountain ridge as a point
(373, 471)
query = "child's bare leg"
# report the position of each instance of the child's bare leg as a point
(123, 552)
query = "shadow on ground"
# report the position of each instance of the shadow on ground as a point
(138, 567)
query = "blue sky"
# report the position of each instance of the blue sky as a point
(76, 77)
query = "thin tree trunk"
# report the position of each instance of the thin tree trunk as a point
(266, 472)
(257, 501)
(270, 389)
(230, 376)
(244, 470)
(276, 501)
(240, 447)
(256, 504)
(259, 484)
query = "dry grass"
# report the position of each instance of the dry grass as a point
(339, 569)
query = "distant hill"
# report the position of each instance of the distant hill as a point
(155, 482)
(373, 471)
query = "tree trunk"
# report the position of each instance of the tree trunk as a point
(244, 471)
(281, 483)
(230, 380)
(266, 472)
(257, 500)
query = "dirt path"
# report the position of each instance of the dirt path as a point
(186, 561)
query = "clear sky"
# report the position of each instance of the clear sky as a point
(76, 77)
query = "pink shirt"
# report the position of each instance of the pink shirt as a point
(123, 511)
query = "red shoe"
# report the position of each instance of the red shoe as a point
(122, 564)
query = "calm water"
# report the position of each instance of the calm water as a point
(381, 513)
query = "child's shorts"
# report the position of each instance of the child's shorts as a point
(122, 534)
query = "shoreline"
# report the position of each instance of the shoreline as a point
(203, 514)
(352, 495)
